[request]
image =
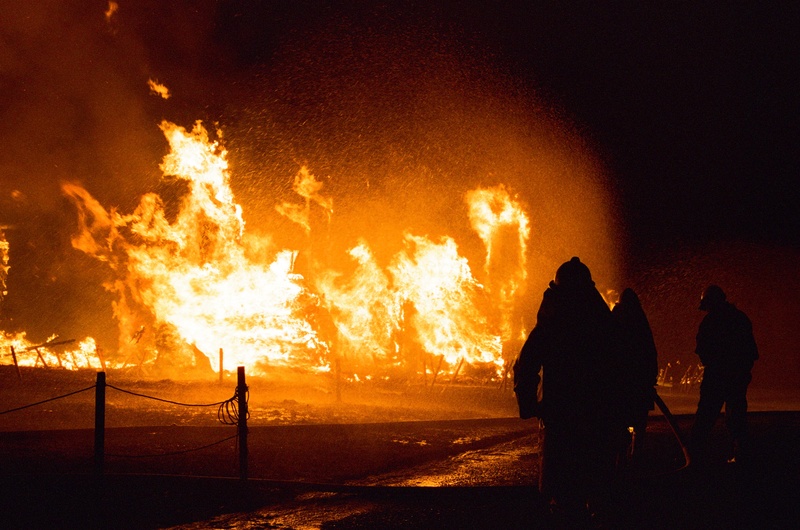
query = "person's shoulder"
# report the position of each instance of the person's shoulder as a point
(740, 315)
(551, 292)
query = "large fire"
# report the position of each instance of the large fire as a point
(196, 282)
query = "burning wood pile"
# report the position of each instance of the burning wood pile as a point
(191, 283)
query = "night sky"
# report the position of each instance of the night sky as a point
(691, 107)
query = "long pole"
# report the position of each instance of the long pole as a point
(675, 428)
(99, 423)
(220, 366)
(241, 392)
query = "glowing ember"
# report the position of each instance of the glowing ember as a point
(112, 9)
(158, 89)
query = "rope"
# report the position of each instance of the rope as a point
(175, 452)
(167, 400)
(47, 400)
(228, 412)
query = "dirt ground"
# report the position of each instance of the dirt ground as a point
(383, 456)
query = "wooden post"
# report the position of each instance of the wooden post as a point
(241, 391)
(506, 367)
(455, 374)
(220, 366)
(438, 367)
(39, 354)
(99, 352)
(99, 423)
(58, 358)
(14, 356)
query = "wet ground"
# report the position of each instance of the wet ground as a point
(383, 457)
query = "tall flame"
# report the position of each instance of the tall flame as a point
(504, 228)
(187, 287)
(3, 264)
(190, 281)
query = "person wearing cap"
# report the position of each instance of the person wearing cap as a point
(571, 344)
(727, 350)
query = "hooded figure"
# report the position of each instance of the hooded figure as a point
(727, 349)
(571, 344)
(638, 359)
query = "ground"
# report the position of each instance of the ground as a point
(384, 456)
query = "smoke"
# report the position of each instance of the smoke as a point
(397, 114)
(76, 106)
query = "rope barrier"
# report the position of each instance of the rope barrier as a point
(228, 412)
(47, 400)
(174, 452)
(167, 400)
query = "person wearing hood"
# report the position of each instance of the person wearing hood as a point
(639, 364)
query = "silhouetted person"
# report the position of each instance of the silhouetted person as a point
(638, 364)
(727, 350)
(570, 344)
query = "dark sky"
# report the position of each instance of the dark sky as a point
(692, 107)
(695, 104)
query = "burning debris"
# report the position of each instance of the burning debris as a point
(199, 282)
(419, 272)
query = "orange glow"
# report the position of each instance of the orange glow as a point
(53, 353)
(308, 187)
(3, 264)
(504, 228)
(199, 283)
(158, 89)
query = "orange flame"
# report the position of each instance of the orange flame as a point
(158, 89)
(308, 187)
(190, 286)
(504, 228)
(3, 264)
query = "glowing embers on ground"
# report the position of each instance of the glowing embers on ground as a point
(199, 282)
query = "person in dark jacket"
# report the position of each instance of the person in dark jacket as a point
(571, 344)
(727, 350)
(638, 365)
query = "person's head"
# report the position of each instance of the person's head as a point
(629, 298)
(572, 274)
(712, 297)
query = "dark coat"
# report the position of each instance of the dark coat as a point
(571, 345)
(725, 342)
(638, 357)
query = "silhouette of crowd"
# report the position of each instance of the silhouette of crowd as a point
(589, 374)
